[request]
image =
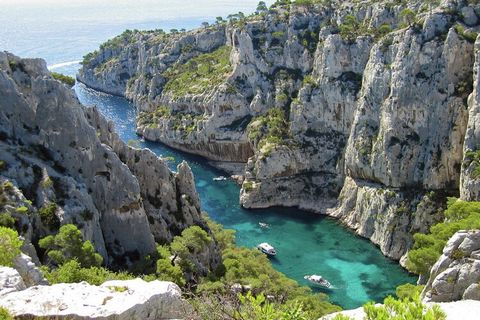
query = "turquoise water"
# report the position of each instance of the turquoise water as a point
(62, 32)
(306, 243)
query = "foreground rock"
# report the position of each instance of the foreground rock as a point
(131, 299)
(456, 274)
(458, 310)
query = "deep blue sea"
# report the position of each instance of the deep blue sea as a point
(62, 32)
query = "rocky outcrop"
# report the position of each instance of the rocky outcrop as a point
(10, 281)
(28, 270)
(470, 183)
(373, 104)
(458, 310)
(63, 163)
(456, 274)
(129, 299)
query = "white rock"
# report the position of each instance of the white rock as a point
(131, 299)
(458, 310)
(10, 281)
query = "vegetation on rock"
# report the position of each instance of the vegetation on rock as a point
(392, 309)
(460, 215)
(63, 78)
(200, 74)
(9, 246)
(68, 245)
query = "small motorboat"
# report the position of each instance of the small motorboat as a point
(220, 178)
(264, 225)
(318, 280)
(267, 249)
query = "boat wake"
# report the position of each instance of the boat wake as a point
(63, 64)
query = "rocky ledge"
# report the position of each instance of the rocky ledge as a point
(128, 299)
(456, 274)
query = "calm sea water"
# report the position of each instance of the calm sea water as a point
(62, 32)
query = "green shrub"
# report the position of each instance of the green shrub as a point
(9, 246)
(6, 220)
(247, 186)
(192, 241)
(427, 248)
(63, 78)
(269, 128)
(384, 29)
(402, 309)
(473, 157)
(8, 185)
(3, 165)
(168, 272)
(72, 272)
(48, 215)
(309, 80)
(469, 36)
(68, 245)
(408, 291)
(22, 210)
(408, 16)
(5, 314)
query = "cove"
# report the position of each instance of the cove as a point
(306, 243)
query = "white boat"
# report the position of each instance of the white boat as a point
(264, 225)
(318, 280)
(220, 178)
(267, 249)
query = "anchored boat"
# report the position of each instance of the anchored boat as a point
(267, 249)
(318, 280)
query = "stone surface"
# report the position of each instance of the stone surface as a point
(29, 272)
(456, 273)
(458, 310)
(10, 281)
(130, 299)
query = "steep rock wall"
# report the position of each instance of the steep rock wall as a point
(63, 156)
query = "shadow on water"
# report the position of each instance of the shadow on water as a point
(306, 243)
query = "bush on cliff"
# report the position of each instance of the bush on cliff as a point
(67, 245)
(9, 246)
(460, 215)
(5, 315)
(70, 81)
(200, 74)
(393, 309)
(72, 272)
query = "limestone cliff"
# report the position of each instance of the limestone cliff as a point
(127, 299)
(63, 163)
(456, 274)
(353, 109)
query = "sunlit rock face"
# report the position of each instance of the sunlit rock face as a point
(60, 155)
(373, 106)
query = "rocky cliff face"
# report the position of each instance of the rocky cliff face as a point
(63, 163)
(456, 274)
(357, 110)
